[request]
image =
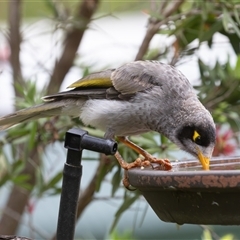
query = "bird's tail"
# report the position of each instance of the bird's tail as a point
(47, 109)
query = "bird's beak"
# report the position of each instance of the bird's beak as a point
(205, 161)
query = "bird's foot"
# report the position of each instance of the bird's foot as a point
(126, 182)
(162, 164)
(148, 159)
(126, 165)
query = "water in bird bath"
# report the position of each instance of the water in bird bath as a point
(217, 163)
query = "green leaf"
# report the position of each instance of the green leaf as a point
(142, 141)
(229, 22)
(55, 191)
(225, 19)
(188, 30)
(123, 236)
(17, 132)
(206, 35)
(236, 15)
(39, 182)
(54, 180)
(236, 70)
(228, 237)
(116, 180)
(17, 167)
(105, 169)
(128, 201)
(206, 235)
(4, 179)
(32, 142)
(52, 7)
(22, 181)
(187, 6)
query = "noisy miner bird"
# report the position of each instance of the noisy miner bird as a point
(135, 98)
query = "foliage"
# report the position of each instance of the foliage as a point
(219, 91)
(208, 235)
(117, 236)
(201, 20)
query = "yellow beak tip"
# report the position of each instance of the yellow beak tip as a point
(205, 161)
(206, 167)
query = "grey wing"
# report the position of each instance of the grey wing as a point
(80, 93)
(133, 77)
(126, 81)
(142, 75)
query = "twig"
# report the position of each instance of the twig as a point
(14, 39)
(216, 100)
(154, 26)
(73, 38)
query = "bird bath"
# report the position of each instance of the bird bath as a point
(187, 194)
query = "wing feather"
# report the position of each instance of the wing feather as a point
(122, 83)
(98, 79)
(94, 93)
(136, 76)
(92, 86)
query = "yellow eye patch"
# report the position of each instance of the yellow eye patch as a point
(196, 136)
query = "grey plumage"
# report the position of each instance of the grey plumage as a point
(137, 97)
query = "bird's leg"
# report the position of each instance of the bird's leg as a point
(137, 163)
(148, 158)
(126, 165)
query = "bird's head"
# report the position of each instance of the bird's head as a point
(198, 139)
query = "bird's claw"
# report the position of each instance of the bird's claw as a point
(163, 164)
(149, 160)
(126, 182)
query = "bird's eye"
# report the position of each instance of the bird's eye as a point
(196, 138)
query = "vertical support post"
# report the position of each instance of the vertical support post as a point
(75, 141)
(72, 174)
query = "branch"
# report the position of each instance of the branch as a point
(14, 39)
(86, 9)
(153, 27)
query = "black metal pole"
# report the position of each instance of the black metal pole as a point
(75, 141)
(72, 174)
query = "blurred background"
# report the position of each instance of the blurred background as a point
(47, 45)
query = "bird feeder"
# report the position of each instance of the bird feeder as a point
(188, 194)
